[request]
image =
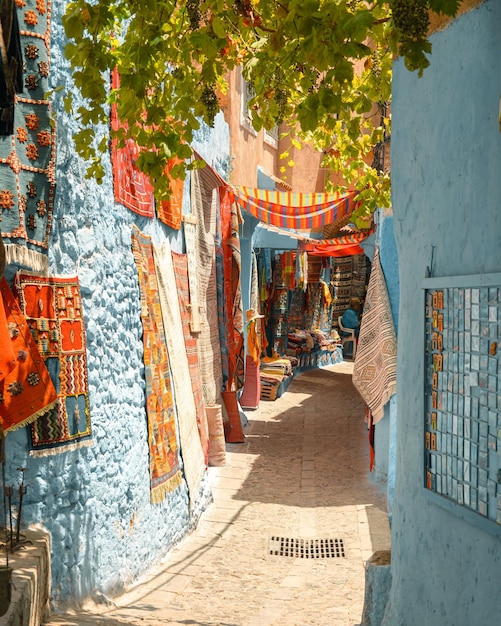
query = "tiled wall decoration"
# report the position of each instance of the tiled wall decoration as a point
(463, 396)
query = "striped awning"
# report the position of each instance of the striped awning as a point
(339, 246)
(304, 211)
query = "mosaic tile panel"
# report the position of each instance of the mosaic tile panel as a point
(463, 397)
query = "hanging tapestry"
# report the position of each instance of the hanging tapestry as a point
(180, 263)
(191, 448)
(165, 471)
(52, 306)
(131, 187)
(221, 304)
(231, 219)
(170, 211)
(27, 158)
(375, 368)
(295, 210)
(205, 201)
(26, 389)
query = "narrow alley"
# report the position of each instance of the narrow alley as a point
(302, 474)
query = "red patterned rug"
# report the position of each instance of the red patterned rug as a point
(52, 307)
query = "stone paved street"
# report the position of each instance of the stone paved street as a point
(302, 473)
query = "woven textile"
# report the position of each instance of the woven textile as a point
(191, 448)
(180, 265)
(52, 307)
(230, 221)
(295, 210)
(27, 157)
(205, 201)
(375, 368)
(131, 187)
(221, 304)
(170, 211)
(217, 449)
(165, 472)
(340, 246)
(26, 389)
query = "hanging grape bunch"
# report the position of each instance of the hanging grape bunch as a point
(210, 102)
(194, 13)
(411, 18)
(280, 98)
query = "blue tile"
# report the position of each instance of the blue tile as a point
(467, 297)
(482, 478)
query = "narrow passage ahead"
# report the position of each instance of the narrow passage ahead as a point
(299, 485)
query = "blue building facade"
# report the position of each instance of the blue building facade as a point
(446, 147)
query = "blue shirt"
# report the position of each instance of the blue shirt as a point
(350, 319)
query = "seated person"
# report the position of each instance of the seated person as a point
(351, 317)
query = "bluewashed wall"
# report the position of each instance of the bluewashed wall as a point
(96, 501)
(385, 430)
(446, 155)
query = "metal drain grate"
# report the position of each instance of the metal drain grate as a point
(306, 548)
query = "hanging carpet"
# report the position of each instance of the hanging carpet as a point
(132, 188)
(234, 324)
(295, 210)
(180, 265)
(52, 307)
(27, 157)
(205, 204)
(375, 367)
(191, 448)
(165, 471)
(26, 389)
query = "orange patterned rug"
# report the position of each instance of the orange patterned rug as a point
(165, 471)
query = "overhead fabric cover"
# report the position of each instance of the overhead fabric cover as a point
(295, 210)
(340, 246)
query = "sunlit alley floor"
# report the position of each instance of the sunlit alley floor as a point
(300, 482)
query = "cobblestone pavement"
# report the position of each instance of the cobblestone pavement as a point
(302, 473)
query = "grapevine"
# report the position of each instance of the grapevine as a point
(210, 102)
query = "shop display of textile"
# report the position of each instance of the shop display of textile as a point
(52, 307)
(205, 204)
(165, 471)
(131, 187)
(189, 439)
(302, 211)
(252, 387)
(374, 370)
(289, 270)
(297, 306)
(348, 280)
(180, 265)
(26, 389)
(270, 384)
(27, 157)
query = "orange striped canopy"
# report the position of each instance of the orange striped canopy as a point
(286, 209)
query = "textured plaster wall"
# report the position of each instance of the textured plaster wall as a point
(446, 151)
(385, 431)
(95, 501)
